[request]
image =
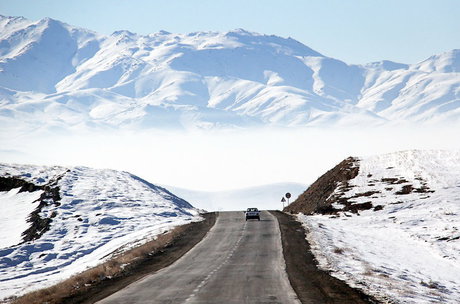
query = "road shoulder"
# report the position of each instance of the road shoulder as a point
(191, 236)
(311, 284)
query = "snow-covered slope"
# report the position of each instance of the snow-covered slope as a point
(266, 197)
(56, 75)
(96, 212)
(406, 247)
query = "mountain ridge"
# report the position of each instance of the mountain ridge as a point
(54, 74)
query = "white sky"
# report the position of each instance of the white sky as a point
(355, 31)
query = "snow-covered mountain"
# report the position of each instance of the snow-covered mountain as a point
(393, 228)
(56, 222)
(56, 75)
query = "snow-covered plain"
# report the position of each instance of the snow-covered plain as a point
(99, 212)
(409, 252)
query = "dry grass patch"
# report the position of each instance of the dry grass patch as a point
(338, 250)
(116, 267)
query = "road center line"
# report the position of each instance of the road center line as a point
(212, 272)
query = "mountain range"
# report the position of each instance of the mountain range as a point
(54, 75)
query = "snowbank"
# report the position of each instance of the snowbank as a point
(99, 212)
(409, 251)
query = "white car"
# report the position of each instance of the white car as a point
(252, 213)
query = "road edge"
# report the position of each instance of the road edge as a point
(192, 235)
(311, 284)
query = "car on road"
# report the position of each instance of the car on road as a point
(252, 213)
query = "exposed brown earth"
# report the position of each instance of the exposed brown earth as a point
(312, 284)
(319, 196)
(10, 182)
(331, 187)
(50, 195)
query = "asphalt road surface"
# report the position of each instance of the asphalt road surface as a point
(237, 262)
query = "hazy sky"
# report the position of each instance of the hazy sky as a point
(222, 159)
(356, 31)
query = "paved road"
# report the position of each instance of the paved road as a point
(237, 262)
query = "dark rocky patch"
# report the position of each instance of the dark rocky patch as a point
(394, 180)
(354, 208)
(10, 182)
(406, 189)
(424, 188)
(443, 238)
(50, 195)
(368, 193)
(327, 210)
(328, 192)
(318, 197)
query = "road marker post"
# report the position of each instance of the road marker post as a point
(288, 196)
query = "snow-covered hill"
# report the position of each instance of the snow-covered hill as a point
(56, 75)
(265, 197)
(400, 238)
(82, 215)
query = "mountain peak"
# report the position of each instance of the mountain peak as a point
(50, 22)
(163, 32)
(387, 65)
(237, 78)
(124, 33)
(241, 31)
(3, 17)
(447, 62)
(289, 44)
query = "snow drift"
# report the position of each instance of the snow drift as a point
(393, 229)
(95, 213)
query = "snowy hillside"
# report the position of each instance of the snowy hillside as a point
(55, 75)
(82, 215)
(401, 242)
(266, 197)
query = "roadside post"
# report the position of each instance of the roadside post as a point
(283, 200)
(288, 196)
